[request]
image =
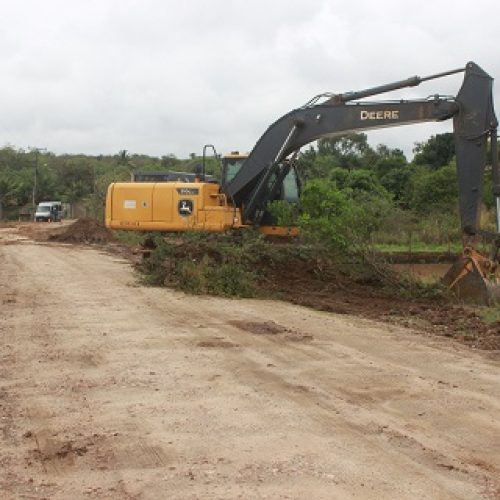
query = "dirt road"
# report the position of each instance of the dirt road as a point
(112, 390)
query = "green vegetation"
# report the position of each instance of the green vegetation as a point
(129, 238)
(201, 263)
(356, 201)
(81, 179)
(490, 314)
(346, 183)
(418, 246)
(245, 264)
(341, 220)
(399, 204)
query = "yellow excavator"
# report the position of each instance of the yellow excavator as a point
(249, 182)
(181, 201)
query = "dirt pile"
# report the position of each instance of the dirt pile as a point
(84, 231)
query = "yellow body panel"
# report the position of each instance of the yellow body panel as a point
(169, 206)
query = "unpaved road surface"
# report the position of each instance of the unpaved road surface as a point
(112, 390)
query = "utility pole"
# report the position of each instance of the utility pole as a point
(33, 201)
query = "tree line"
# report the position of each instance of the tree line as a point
(355, 194)
(39, 175)
(380, 180)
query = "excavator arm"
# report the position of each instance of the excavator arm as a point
(473, 120)
(473, 124)
(473, 276)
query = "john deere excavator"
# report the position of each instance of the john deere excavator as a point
(268, 172)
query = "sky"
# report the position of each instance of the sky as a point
(163, 77)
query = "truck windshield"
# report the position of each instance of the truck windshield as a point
(43, 208)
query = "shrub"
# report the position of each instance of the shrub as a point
(230, 280)
(202, 263)
(342, 221)
(434, 190)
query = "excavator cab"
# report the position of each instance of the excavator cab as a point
(231, 165)
(289, 189)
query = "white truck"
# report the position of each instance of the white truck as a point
(49, 211)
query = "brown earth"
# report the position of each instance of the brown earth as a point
(297, 282)
(113, 390)
(300, 278)
(420, 257)
(84, 231)
(39, 231)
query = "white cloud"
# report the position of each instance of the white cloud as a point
(161, 77)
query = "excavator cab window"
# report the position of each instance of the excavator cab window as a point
(291, 187)
(289, 190)
(230, 167)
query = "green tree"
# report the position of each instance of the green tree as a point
(6, 191)
(17, 177)
(434, 190)
(392, 170)
(359, 181)
(123, 158)
(169, 161)
(338, 219)
(351, 151)
(437, 152)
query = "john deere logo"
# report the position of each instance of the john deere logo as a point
(185, 207)
(380, 115)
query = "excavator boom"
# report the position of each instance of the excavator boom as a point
(474, 123)
(473, 120)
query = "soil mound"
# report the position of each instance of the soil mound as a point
(84, 231)
(296, 282)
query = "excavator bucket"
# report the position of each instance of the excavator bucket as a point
(473, 278)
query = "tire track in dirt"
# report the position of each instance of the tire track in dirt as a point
(131, 392)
